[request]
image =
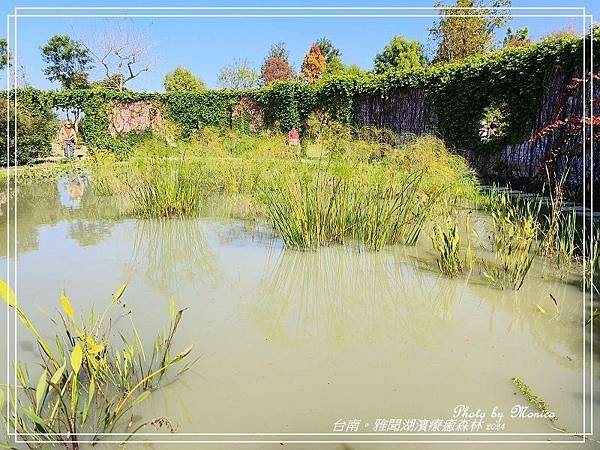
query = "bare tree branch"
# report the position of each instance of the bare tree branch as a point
(123, 52)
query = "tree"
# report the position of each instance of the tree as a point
(68, 61)
(114, 82)
(313, 65)
(182, 80)
(354, 69)
(3, 53)
(458, 35)
(517, 38)
(328, 50)
(335, 66)
(569, 30)
(276, 65)
(400, 53)
(239, 75)
(122, 53)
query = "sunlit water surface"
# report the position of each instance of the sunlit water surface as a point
(292, 342)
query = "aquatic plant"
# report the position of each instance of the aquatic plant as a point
(446, 243)
(514, 241)
(561, 230)
(107, 176)
(532, 398)
(565, 247)
(592, 264)
(165, 187)
(87, 383)
(309, 214)
(321, 208)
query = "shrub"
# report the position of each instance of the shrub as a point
(35, 131)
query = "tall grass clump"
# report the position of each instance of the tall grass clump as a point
(87, 383)
(514, 242)
(446, 243)
(392, 212)
(441, 168)
(165, 187)
(560, 241)
(309, 213)
(321, 208)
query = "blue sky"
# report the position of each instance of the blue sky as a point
(204, 45)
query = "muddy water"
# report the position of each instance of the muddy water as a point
(308, 342)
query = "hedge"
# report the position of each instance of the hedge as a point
(458, 93)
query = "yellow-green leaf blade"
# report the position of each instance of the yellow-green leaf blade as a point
(56, 377)
(117, 295)
(76, 358)
(40, 391)
(7, 294)
(66, 304)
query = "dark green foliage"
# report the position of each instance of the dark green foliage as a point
(515, 38)
(36, 127)
(400, 53)
(114, 82)
(68, 61)
(459, 93)
(328, 50)
(194, 110)
(3, 53)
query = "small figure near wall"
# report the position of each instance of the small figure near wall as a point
(293, 137)
(69, 138)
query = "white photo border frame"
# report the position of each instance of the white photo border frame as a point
(584, 16)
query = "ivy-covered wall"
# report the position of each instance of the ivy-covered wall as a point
(449, 100)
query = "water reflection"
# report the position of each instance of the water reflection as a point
(88, 233)
(68, 199)
(173, 253)
(342, 294)
(71, 187)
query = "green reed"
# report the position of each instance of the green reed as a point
(514, 241)
(88, 384)
(165, 187)
(592, 266)
(446, 242)
(321, 208)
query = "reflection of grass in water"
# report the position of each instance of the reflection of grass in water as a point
(88, 233)
(344, 294)
(88, 384)
(173, 250)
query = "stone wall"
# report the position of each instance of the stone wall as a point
(407, 111)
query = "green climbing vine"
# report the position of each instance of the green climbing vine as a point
(460, 94)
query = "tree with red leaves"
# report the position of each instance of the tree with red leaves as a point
(276, 65)
(567, 130)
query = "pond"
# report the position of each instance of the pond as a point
(295, 342)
